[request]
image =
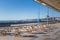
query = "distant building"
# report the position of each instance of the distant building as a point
(51, 20)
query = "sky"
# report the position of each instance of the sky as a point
(24, 9)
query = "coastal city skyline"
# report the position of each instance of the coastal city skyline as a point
(24, 9)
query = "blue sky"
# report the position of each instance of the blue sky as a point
(23, 9)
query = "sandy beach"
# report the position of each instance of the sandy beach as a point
(54, 35)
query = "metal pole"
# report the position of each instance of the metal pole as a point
(39, 14)
(47, 15)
